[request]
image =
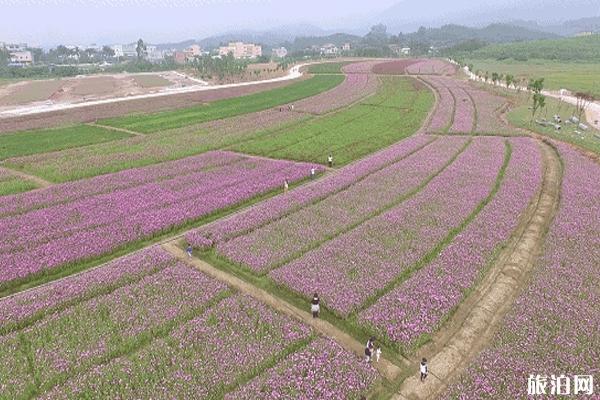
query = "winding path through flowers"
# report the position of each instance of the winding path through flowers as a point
(477, 319)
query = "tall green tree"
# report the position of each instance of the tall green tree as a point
(140, 49)
(539, 100)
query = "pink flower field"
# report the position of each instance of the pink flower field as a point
(418, 305)
(356, 265)
(54, 227)
(273, 244)
(162, 330)
(554, 326)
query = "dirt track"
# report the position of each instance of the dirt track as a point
(472, 327)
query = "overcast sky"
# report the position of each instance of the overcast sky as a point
(86, 21)
(81, 22)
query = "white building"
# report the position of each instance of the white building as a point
(346, 47)
(405, 51)
(329, 49)
(241, 50)
(21, 58)
(280, 52)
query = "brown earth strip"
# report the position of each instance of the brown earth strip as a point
(114, 128)
(476, 320)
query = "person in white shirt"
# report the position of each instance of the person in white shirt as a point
(313, 171)
(423, 368)
(330, 161)
(377, 353)
(286, 186)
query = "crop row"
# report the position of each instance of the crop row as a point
(396, 67)
(431, 67)
(354, 87)
(418, 305)
(396, 111)
(359, 264)
(282, 205)
(139, 151)
(231, 107)
(463, 108)
(553, 327)
(172, 333)
(271, 245)
(93, 225)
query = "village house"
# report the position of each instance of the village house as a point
(241, 50)
(329, 49)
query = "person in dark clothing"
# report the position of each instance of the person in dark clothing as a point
(369, 349)
(315, 306)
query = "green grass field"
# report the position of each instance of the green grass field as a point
(557, 75)
(45, 140)
(520, 116)
(395, 112)
(327, 68)
(149, 123)
(10, 184)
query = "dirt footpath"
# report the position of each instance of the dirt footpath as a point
(473, 326)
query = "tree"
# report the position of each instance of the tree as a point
(140, 49)
(508, 78)
(377, 37)
(583, 101)
(495, 77)
(107, 52)
(539, 100)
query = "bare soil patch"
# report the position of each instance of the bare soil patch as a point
(151, 81)
(28, 91)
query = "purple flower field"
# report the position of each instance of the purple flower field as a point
(181, 333)
(115, 274)
(51, 231)
(419, 304)
(272, 244)
(554, 326)
(281, 205)
(354, 87)
(464, 111)
(444, 111)
(323, 370)
(349, 269)
(88, 331)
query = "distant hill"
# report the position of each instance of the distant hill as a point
(303, 42)
(567, 28)
(585, 48)
(451, 35)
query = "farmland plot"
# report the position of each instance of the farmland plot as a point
(11, 183)
(553, 327)
(162, 330)
(281, 206)
(359, 264)
(418, 305)
(92, 218)
(273, 244)
(393, 113)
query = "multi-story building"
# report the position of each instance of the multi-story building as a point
(21, 58)
(241, 50)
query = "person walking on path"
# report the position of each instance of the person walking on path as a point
(315, 306)
(286, 186)
(377, 353)
(424, 369)
(313, 171)
(330, 160)
(369, 349)
(189, 250)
